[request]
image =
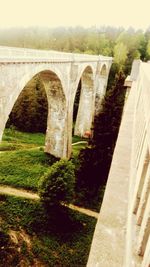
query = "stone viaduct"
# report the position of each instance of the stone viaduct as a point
(60, 74)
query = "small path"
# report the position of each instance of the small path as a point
(21, 149)
(18, 192)
(30, 195)
(79, 142)
(84, 211)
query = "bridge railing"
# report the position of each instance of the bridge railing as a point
(122, 234)
(25, 54)
(139, 197)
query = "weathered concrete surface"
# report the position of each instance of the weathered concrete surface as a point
(122, 234)
(101, 88)
(108, 246)
(61, 73)
(86, 107)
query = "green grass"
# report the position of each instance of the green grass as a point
(13, 136)
(56, 239)
(61, 240)
(15, 140)
(24, 168)
(23, 160)
(76, 138)
(76, 148)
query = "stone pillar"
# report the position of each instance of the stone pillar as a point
(100, 92)
(2, 126)
(86, 110)
(6, 104)
(56, 133)
(69, 130)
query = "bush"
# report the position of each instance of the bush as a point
(4, 238)
(57, 185)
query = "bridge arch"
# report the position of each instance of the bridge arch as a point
(33, 71)
(56, 139)
(18, 66)
(103, 70)
(86, 108)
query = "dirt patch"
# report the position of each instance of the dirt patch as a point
(18, 237)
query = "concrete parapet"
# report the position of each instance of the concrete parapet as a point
(122, 234)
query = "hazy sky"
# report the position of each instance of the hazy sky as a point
(53, 13)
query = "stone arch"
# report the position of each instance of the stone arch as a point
(86, 107)
(27, 76)
(55, 142)
(22, 76)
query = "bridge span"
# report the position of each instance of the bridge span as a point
(60, 73)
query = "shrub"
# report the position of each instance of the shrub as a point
(4, 238)
(57, 185)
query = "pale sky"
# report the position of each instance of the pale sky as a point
(86, 13)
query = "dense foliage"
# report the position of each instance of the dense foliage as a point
(57, 185)
(29, 113)
(95, 159)
(123, 45)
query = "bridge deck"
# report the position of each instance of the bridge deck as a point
(12, 54)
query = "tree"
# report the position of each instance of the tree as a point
(95, 159)
(120, 54)
(29, 113)
(57, 185)
(148, 49)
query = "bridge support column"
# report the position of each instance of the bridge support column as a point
(56, 133)
(2, 125)
(100, 92)
(86, 108)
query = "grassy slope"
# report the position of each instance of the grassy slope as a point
(26, 162)
(23, 168)
(51, 241)
(14, 137)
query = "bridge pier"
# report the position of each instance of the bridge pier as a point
(86, 108)
(56, 133)
(101, 88)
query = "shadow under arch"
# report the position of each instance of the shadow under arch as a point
(29, 112)
(86, 103)
(55, 141)
(103, 70)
